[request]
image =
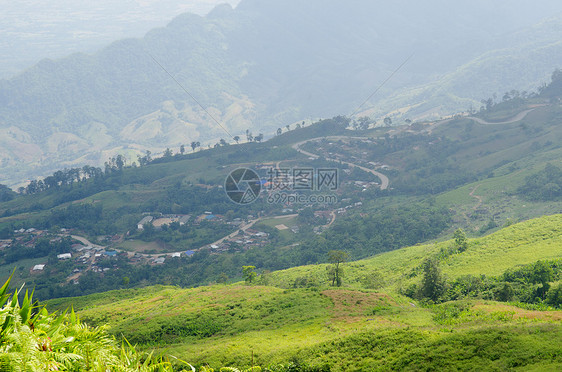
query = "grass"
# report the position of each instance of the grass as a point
(143, 247)
(287, 221)
(23, 269)
(349, 328)
(519, 244)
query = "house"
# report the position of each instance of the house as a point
(64, 256)
(183, 219)
(144, 221)
(159, 260)
(38, 267)
(176, 254)
(189, 253)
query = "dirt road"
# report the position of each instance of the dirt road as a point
(384, 179)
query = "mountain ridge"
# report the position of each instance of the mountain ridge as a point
(258, 66)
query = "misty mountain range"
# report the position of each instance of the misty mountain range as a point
(267, 64)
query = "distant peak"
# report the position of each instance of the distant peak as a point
(220, 11)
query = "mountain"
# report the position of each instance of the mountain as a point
(261, 66)
(34, 30)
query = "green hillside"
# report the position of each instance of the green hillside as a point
(353, 327)
(444, 175)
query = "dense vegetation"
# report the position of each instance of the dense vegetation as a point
(529, 284)
(544, 185)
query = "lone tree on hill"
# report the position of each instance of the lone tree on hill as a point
(460, 240)
(249, 274)
(335, 272)
(433, 284)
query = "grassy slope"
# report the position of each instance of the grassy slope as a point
(519, 244)
(351, 328)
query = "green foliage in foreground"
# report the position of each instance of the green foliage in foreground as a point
(31, 339)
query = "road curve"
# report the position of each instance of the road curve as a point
(384, 179)
(514, 119)
(246, 227)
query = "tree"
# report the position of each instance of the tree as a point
(6, 194)
(387, 121)
(363, 122)
(236, 139)
(223, 278)
(461, 242)
(249, 274)
(182, 149)
(335, 272)
(541, 273)
(554, 296)
(506, 293)
(288, 127)
(259, 137)
(223, 142)
(249, 136)
(433, 284)
(195, 145)
(168, 153)
(279, 131)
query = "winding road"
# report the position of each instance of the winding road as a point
(384, 179)
(516, 118)
(247, 226)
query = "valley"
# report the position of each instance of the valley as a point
(395, 240)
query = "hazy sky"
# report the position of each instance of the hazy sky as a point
(34, 29)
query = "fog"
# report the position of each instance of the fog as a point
(32, 30)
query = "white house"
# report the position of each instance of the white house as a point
(38, 267)
(144, 221)
(64, 256)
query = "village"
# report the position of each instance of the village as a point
(104, 253)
